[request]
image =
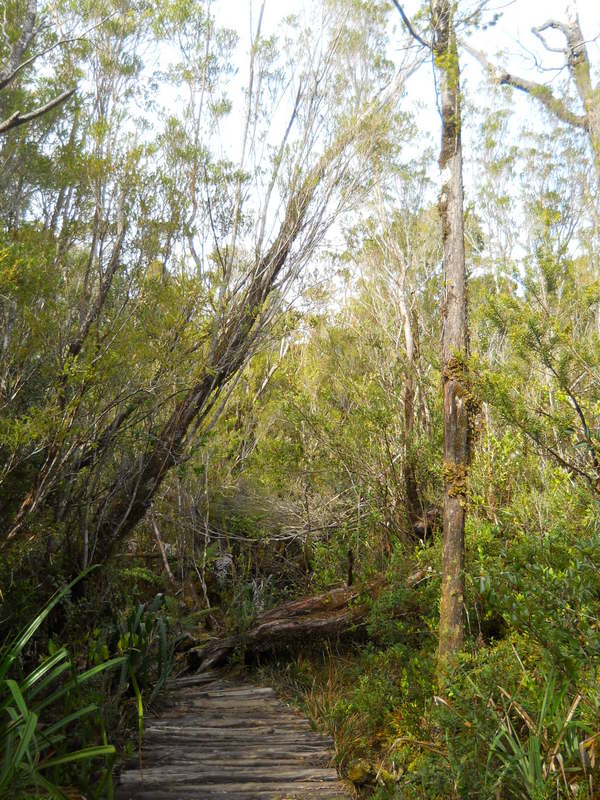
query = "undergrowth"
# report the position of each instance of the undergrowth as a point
(520, 716)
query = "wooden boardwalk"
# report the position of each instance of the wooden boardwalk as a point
(225, 740)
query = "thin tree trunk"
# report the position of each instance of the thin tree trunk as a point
(390, 246)
(454, 336)
(410, 472)
(162, 550)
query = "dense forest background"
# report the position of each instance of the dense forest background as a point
(226, 382)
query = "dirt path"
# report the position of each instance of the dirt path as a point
(220, 739)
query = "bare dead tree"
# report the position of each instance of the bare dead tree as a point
(577, 62)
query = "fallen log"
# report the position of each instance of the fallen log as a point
(333, 613)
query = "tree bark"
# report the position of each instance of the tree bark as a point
(579, 67)
(454, 335)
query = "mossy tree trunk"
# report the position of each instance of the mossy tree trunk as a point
(454, 335)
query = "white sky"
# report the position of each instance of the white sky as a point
(511, 36)
(510, 42)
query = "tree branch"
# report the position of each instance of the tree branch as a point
(12, 69)
(410, 28)
(555, 25)
(537, 90)
(18, 118)
(105, 284)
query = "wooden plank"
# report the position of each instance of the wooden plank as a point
(196, 678)
(285, 788)
(277, 793)
(213, 735)
(154, 752)
(209, 775)
(197, 786)
(240, 742)
(167, 761)
(228, 723)
(235, 749)
(258, 710)
(226, 701)
(231, 692)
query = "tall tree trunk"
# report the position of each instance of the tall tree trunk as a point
(454, 335)
(399, 277)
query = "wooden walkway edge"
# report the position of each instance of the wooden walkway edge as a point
(221, 739)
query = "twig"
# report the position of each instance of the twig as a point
(410, 28)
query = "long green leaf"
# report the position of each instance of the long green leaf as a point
(61, 723)
(13, 687)
(8, 657)
(44, 668)
(77, 681)
(79, 755)
(26, 735)
(48, 680)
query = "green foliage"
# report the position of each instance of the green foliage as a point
(40, 711)
(551, 757)
(147, 640)
(130, 231)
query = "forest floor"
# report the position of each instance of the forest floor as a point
(219, 738)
